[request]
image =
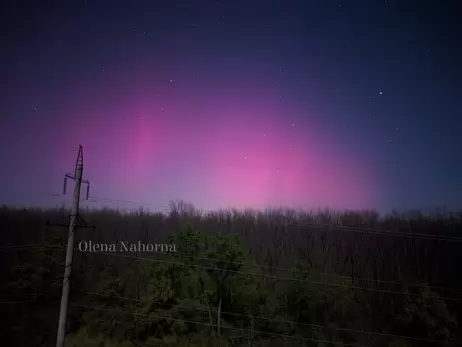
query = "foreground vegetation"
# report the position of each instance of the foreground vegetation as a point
(273, 278)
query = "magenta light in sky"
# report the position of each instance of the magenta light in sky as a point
(262, 113)
(232, 148)
(269, 162)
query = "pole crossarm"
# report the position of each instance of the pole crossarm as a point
(68, 176)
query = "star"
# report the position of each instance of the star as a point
(35, 109)
(293, 124)
(397, 129)
(171, 81)
(381, 93)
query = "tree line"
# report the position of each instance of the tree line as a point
(236, 278)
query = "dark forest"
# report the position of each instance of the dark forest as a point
(235, 278)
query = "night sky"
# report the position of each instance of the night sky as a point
(242, 103)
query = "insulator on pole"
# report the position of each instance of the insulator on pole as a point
(65, 185)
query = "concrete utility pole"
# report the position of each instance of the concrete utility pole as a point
(70, 244)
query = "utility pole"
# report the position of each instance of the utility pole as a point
(74, 217)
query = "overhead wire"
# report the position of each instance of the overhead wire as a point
(331, 227)
(311, 273)
(242, 273)
(249, 265)
(236, 314)
(29, 246)
(210, 325)
(339, 228)
(273, 319)
(126, 202)
(6, 302)
(313, 225)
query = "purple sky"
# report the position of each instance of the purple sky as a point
(152, 148)
(234, 103)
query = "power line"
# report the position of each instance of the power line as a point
(277, 320)
(338, 228)
(3, 302)
(6, 302)
(331, 227)
(259, 266)
(241, 273)
(210, 325)
(120, 202)
(15, 247)
(316, 273)
(126, 202)
(117, 201)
